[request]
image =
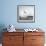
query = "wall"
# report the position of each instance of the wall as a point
(9, 13)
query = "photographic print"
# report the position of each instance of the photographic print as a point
(26, 13)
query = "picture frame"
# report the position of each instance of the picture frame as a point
(26, 13)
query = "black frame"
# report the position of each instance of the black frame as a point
(25, 20)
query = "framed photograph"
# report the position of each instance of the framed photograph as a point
(26, 13)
